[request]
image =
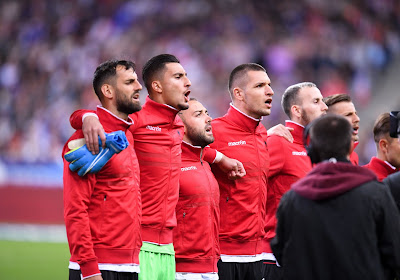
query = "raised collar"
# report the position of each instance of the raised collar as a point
(297, 131)
(382, 165)
(192, 152)
(110, 121)
(159, 109)
(241, 119)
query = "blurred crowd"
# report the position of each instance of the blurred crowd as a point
(50, 49)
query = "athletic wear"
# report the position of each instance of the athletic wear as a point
(157, 262)
(196, 235)
(381, 168)
(158, 134)
(288, 163)
(106, 275)
(354, 155)
(242, 202)
(102, 211)
(338, 223)
(240, 271)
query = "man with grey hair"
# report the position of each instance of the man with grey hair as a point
(289, 162)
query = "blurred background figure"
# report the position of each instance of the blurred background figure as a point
(387, 159)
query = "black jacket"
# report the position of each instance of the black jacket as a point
(338, 223)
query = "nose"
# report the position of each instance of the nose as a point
(187, 82)
(324, 107)
(356, 119)
(208, 119)
(269, 91)
(139, 86)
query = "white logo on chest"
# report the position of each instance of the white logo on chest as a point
(154, 128)
(188, 168)
(302, 153)
(241, 142)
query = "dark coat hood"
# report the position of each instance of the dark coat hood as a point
(328, 179)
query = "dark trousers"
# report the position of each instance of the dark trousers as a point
(106, 274)
(240, 271)
(272, 271)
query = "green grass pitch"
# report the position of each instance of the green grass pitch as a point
(33, 260)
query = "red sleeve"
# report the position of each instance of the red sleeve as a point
(276, 152)
(77, 193)
(209, 154)
(76, 118)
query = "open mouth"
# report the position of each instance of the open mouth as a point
(208, 129)
(355, 130)
(187, 95)
(268, 102)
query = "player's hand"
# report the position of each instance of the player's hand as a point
(232, 167)
(92, 130)
(282, 131)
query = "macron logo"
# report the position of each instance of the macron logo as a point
(188, 168)
(154, 128)
(299, 153)
(241, 142)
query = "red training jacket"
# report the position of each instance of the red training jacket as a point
(196, 235)
(158, 133)
(381, 168)
(242, 202)
(102, 211)
(288, 163)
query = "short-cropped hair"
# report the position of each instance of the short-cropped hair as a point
(330, 136)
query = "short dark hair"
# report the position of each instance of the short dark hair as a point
(336, 98)
(154, 65)
(330, 137)
(107, 70)
(240, 71)
(381, 127)
(290, 96)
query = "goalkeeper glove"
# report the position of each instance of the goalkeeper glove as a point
(84, 161)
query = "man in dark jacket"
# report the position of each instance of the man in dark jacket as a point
(338, 222)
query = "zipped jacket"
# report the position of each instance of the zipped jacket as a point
(242, 202)
(196, 235)
(102, 211)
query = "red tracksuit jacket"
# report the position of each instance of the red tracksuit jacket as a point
(381, 168)
(288, 163)
(242, 202)
(102, 211)
(196, 235)
(158, 134)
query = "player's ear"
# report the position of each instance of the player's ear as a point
(238, 93)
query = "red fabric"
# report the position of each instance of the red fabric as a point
(158, 133)
(102, 211)
(242, 202)
(288, 163)
(196, 235)
(354, 155)
(380, 168)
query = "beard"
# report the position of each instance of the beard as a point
(305, 118)
(198, 137)
(126, 105)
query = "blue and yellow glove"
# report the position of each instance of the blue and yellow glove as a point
(84, 161)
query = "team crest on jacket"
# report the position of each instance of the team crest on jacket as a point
(240, 142)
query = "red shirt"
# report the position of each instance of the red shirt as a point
(102, 211)
(288, 163)
(242, 202)
(381, 168)
(196, 234)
